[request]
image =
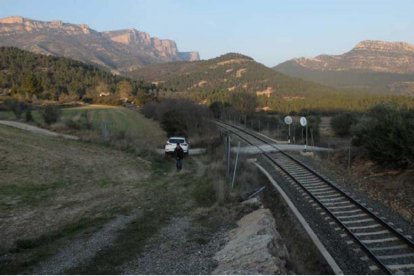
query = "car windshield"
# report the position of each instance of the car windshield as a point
(175, 141)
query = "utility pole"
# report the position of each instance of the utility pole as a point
(228, 155)
(294, 134)
(289, 135)
(235, 166)
(306, 145)
(349, 157)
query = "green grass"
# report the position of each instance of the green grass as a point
(7, 115)
(204, 193)
(28, 194)
(121, 123)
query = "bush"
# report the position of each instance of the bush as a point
(174, 123)
(82, 123)
(16, 107)
(386, 132)
(29, 117)
(51, 114)
(341, 124)
(179, 117)
(204, 193)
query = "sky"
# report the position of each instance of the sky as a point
(270, 31)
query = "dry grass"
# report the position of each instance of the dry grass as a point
(48, 182)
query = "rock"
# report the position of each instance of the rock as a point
(120, 50)
(368, 55)
(254, 247)
(250, 205)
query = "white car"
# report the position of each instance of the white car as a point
(172, 144)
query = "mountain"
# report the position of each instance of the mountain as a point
(229, 73)
(121, 50)
(377, 66)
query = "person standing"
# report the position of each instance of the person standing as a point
(179, 155)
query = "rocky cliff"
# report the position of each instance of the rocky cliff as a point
(121, 50)
(254, 247)
(369, 55)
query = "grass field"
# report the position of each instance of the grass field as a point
(42, 176)
(55, 191)
(119, 122)
(108, 123)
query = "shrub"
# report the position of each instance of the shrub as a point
(179, 117)
(243, 102)
(204, 193)
(386, 132)
(174, 123)
(29, 117)
(73, 124)
(341, 124)
(17, 107)
(51, 114)
(84, 121)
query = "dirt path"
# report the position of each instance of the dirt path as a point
(37, 130)
(82, 250)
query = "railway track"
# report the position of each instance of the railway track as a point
(390, 250)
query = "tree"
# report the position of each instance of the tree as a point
(243, 102)
(29, 117)
(51, 114)
(216, 108)
(16, 106)
(341, 124)
(386, 132)
(124, 90)
(31, 85)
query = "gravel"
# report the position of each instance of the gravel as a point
(179, 248)
(84, 249)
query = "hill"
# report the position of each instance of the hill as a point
(120, 50)
(38, 77)
(376, 66)
(228, 73)
(225, 77)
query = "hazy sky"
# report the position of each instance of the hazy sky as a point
(270, 31)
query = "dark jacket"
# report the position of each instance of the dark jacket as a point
(179, 153)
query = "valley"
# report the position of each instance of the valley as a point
(304, 167)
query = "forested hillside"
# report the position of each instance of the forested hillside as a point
(230, 72)
(32, 77)
(223, 78)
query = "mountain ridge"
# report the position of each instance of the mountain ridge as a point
(367, 55)
(373, 65)
(120, 50)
